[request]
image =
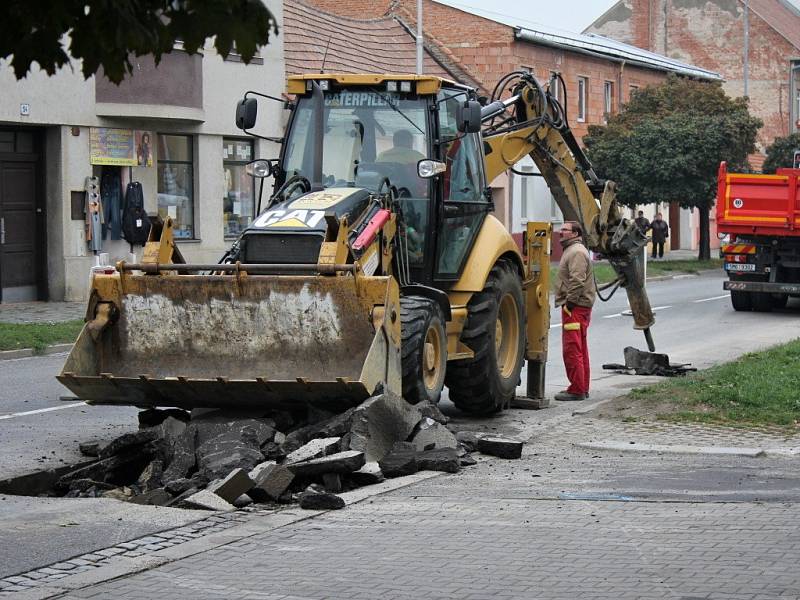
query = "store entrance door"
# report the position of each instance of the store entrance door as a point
(20, 239)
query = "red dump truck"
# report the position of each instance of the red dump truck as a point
(761, 216)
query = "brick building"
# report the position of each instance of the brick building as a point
(711, 34)
(599, 74)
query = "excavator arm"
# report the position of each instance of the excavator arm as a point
(532, 122)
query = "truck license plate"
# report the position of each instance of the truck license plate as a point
(740, 267)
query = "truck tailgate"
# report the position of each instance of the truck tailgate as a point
(749, 204)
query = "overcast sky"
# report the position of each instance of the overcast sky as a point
(569, 15)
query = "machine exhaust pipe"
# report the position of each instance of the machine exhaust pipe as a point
(318, 102)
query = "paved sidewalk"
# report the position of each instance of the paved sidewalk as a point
(563, 522)
(41, 312)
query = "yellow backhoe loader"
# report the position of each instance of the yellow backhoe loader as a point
(376, 262)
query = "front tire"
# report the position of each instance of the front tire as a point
(424, 349)
(495, 332)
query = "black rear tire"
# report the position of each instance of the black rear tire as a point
(424, 349)
(741, 300)
(762, 302)
(487, 382)
(780, 300)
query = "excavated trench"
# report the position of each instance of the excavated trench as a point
(219, 460)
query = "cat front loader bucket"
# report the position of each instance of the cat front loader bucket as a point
(236, 338)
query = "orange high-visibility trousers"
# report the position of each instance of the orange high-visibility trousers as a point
(575, 347)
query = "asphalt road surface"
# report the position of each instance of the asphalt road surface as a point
(695, 324)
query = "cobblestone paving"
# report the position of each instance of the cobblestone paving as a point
(518, 529)
(563, 522)
(689, 434)
(41, 312)
(477, 549)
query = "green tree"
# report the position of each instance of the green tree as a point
(105, 33)
(666, 145)
(781, 152)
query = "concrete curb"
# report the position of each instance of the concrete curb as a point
(681, 275)
(618, 446)
(29, 352)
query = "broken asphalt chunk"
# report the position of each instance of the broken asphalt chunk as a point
(126, 441)
(439, 459)
(381, 421)
(369, 474)
(207, 500)
(321, 501)
(271, 481)
(234, 485)
(431, 434)
(401, 460)
(500, 447)
(341, 462)
(314, 449)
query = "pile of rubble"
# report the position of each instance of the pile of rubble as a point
(217, 460)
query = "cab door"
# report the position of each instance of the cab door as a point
(464, 200)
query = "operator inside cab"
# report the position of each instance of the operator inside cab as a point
(402, 153)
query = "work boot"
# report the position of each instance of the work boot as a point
(565, 396)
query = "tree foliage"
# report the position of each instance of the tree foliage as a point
(781, 152)
(668, 141)
(105, 33)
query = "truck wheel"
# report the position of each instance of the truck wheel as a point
(741, 300)
(762, 302)
(779, 300)
(424, 349)
(495, 332)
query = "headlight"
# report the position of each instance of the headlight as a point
(427, 168)
(259, 168)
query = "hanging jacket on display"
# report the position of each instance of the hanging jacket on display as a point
(135, 222)
(94, 215)
(111, 194)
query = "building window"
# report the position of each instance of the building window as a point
(608, 98)
(238, 203)
(555, 85)
(526, 192)
(176, 183)
(583, 84)
(633, 90)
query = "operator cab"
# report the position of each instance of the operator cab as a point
(407, 134)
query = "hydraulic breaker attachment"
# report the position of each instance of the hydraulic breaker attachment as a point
(236, 338)
(536, 249)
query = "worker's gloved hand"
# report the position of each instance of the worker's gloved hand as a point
(570, 306)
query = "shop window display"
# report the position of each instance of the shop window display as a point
(238, 200)
(176, 183)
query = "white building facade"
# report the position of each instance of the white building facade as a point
(171, 128)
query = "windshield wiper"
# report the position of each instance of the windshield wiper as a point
(388, 101)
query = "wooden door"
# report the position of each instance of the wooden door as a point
(19, 256)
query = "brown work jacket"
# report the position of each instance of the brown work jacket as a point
(575, 280)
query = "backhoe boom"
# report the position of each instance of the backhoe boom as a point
(537, 127)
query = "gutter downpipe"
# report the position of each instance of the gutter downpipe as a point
(619, 86)
(419, 37)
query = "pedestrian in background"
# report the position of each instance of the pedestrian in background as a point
(660, 235)
(575, 294)
(642, 222)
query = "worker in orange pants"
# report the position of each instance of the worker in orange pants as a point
(575, 294)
